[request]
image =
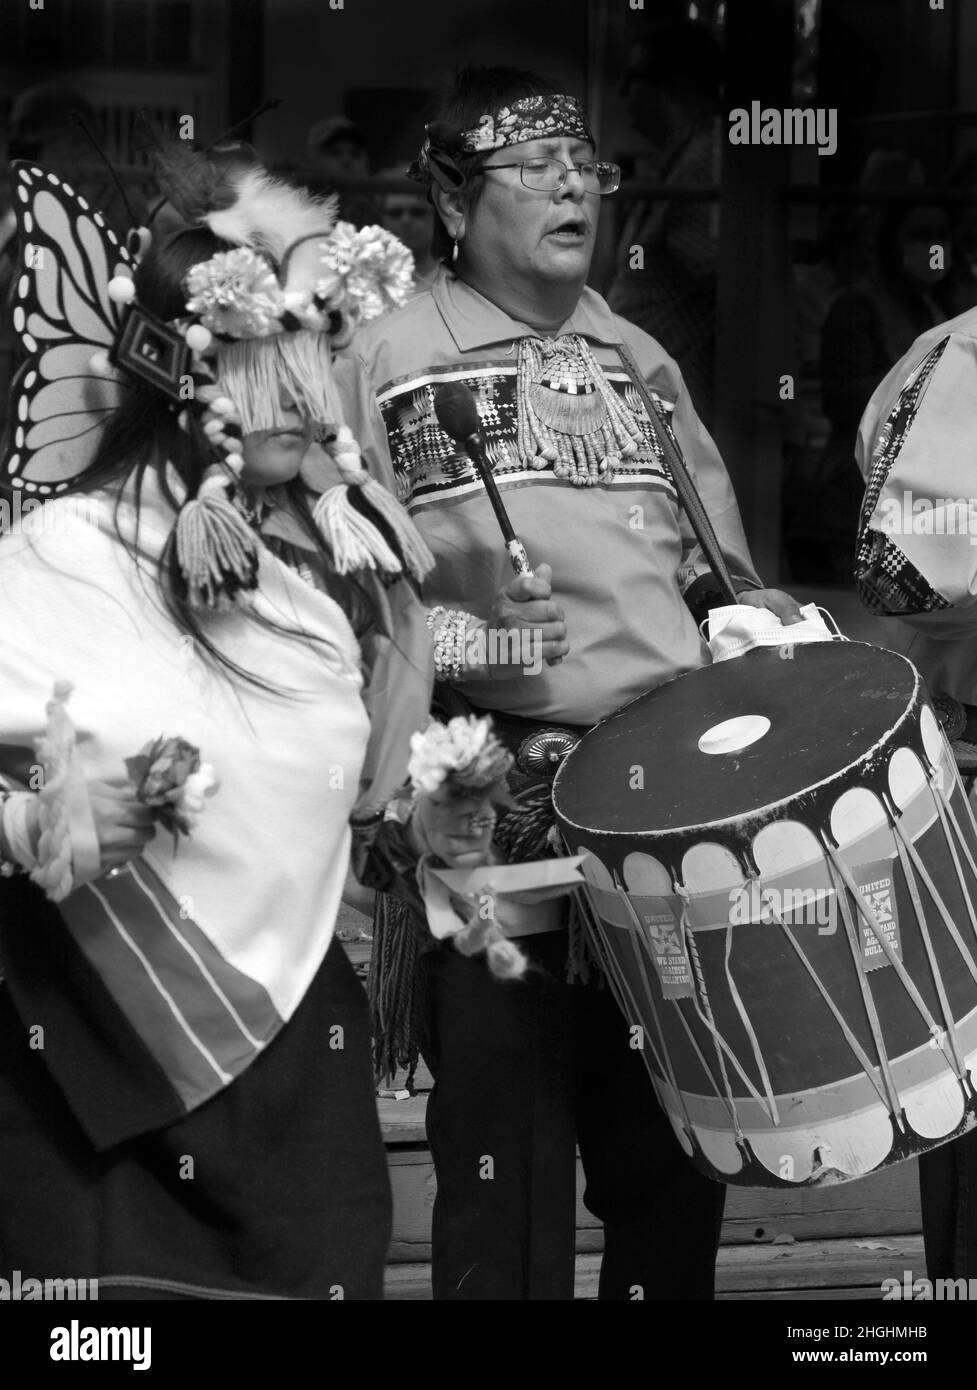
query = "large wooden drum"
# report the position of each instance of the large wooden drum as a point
(781, 868)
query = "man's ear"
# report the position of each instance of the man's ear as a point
(451, 208)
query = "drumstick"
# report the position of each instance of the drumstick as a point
(457, 413)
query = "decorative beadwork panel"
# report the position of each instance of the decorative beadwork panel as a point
(598, 431)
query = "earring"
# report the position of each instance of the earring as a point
(454, 251)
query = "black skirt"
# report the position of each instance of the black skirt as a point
(276, 1188)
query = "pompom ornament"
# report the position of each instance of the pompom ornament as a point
(198, 338)
(121, 289)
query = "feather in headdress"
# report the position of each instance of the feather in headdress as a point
(270, 214)
(192, 182)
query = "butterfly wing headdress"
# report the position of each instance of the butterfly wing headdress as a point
(63, 317)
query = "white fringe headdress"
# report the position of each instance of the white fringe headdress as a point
(262, 318)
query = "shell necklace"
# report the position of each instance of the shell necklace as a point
(569, 417)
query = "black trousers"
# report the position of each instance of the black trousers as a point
(948, 1201)
(522, 1069)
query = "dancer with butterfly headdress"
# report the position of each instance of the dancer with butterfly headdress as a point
(211, 658)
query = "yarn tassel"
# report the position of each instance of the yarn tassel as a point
(354, 540)
(417, 557)
(217, 552)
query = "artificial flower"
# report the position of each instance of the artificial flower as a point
(464, 752)
(237, 294)
(170, 778)
(368, 271)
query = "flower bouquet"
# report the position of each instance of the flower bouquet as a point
(461, 767)
(170, 777)
(463, 757)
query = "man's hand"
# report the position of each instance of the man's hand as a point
(457, 829)
(526, 604)
(124, 825)
(787, 609)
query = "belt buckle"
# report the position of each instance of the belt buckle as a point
(542, 752)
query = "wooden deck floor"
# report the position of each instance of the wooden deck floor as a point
(822, 1243)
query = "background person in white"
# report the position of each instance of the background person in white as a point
(916, 561)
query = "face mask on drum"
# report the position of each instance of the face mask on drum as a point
(738, 628)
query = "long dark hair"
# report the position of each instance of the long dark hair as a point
(474, 92)
(143, 435)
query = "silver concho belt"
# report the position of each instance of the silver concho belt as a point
(542, 752)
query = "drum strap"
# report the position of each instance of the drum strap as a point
(687, 492)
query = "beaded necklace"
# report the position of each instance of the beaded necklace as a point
(569, 418)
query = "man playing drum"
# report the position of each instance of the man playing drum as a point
(521, 1066)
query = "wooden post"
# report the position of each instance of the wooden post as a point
(753, 349)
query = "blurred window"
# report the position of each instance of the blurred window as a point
(93, 33)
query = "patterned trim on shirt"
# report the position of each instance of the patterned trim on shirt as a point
(432, 471)
(886, 580)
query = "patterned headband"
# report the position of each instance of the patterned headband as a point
(529, 118)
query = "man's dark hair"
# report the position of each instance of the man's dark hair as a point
(474, 93)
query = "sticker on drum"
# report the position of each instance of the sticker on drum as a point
(659, 911)
(861, 827)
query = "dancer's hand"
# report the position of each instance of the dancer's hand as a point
(456, 829)
(124, 826)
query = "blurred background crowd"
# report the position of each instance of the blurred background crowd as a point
(784, 282)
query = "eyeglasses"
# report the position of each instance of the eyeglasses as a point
(547, 175)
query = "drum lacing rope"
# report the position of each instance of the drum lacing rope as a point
(945, 809)
(868, 911)
(973, 822)
(747, 1024)
(868, 1066)
(721, 1045)
(636, 936)
(837, 864)
(908, 854)
(949, 1029)
(664, 1062)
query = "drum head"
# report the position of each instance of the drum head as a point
(735, 738)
